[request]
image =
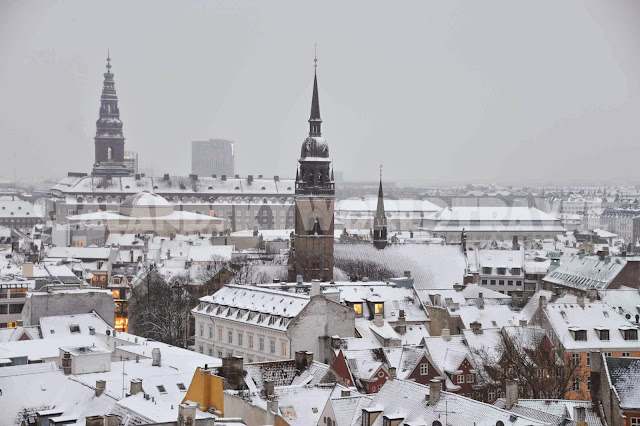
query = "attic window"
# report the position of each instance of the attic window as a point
(629, 333)
(74, 328)
(161, 389)
(182, 387)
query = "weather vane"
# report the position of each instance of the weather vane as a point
(380, 170)
(315, 56)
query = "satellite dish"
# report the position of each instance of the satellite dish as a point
(108, 332)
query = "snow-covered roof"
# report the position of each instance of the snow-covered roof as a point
(145, 199)
(624, 376)
(394, 299)
(68, 325)
(564, 317)
(253, 305)
(431, 266)
(203, 187)
(586, 273)
(14, 207)
(368, 206)
(345, 408)
(98, 253)
(558, 408)
(408, 399)
(179, 215)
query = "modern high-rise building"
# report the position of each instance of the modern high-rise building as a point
(212, 157)
(312, 251)
(109, 141)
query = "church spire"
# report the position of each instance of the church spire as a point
(314, 120)
(380, 220)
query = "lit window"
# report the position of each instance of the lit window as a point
(379, 308)
(220, 334)
(283, 349)
(358, 308)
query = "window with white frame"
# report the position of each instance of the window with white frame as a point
(211, 332)
(470, 378)
(251, 340)
(283, 348)
(635, 421)
(201, 330)
(460, 378)
(230, 336)
(261, 343)
(239, 338)
(424, 369)
(576, 384)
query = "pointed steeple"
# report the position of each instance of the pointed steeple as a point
(380, 220)
(315, 121)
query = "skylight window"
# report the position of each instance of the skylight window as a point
(182, 387)
(74, 328)
(161, 389)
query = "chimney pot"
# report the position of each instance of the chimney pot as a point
(511, 394)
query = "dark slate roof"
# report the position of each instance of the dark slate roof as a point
(624, 376)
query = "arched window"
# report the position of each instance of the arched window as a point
(109, 153)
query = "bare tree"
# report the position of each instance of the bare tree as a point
(159, 308)
(527, 355)
(357, 269)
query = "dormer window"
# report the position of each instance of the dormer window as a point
(486, 270)
(579, 335)
(358, 308)
(629, 333)
(516, 271)
(502, 271)
(603, 333)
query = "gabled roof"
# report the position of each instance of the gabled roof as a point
(409, 401)
(624, 376)
(557, 408)
(405, 359)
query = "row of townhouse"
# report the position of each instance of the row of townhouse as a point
(261, 324)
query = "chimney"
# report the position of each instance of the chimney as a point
(511, 394)
(272, 405)
(593, 295)
(434, 391)
(476, 327)
(135, 387)
(27, 269)
(111, 420)
(596, 373)
(269, 388)
(155, 354)
(580, 298)
(186, 414)
(580, 415)
(542, 302)
(401, 326)
(392, 373)
(378, 320)
(101, 386)
(249, 179)
(445, 334)
(315, 288)
(480, 302)
(223, 177)
(335, 342)
(66, 363)
(92, 331)
(94, 421)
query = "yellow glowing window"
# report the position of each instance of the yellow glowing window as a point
(116, 294)
(358, 308)
(378, 308)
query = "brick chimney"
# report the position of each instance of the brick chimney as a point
(135, 387)
(269, 388)
(392, 373)
(476, 327)
(303, 359)
(101, 386)
(480, 302)
(66, 363)
(401, 325)
(186, 414)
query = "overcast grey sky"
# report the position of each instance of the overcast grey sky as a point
(440, 92)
